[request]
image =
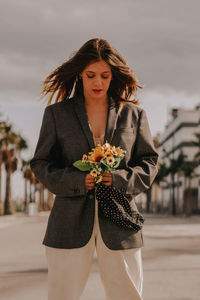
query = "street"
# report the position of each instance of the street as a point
(171, 259)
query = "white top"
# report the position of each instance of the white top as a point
(99, 140)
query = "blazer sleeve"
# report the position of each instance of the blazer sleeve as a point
(63, 182)
(142, 167)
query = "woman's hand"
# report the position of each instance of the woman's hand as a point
(89, 182)
(107, 178)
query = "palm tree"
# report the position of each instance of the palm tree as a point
(189, 172)
(1, 201)
(3, 126)
(13, 144)
(175, 166)
(27, 173)
(172, 169)
(1, 146)
(160, 177)
(10, 162)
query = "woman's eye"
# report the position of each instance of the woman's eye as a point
(92, 76)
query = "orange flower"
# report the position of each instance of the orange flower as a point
(114, 151)
(108, 153)
(93, 173)
(84, 158)
(106, 147)
(110, 160)
(99, 179)
(96, 156)
(119, 151)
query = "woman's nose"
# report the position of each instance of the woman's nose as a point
(98, 80)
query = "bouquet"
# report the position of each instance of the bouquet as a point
(102, 159)
(112, 203)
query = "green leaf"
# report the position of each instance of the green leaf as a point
(117, 162)
(82, 166)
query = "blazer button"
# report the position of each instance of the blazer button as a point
(91, 196)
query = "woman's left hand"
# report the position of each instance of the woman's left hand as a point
(107, 178)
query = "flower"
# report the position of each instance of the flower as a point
(110, 160)
(84, 158)
(108, 153)
(94, 173)
(120, 152)
(96, 156)
(106, 147)
(99, 179)
(101, 159)
(114, 151)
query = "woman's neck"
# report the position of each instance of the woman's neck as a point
(97, 103)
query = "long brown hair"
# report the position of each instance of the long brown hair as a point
(65, 80)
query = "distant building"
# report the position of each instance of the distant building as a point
(179, 136)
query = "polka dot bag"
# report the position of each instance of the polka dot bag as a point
(115, 206)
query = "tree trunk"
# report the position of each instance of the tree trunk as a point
(173, 196)
(1, 201)
(26, 199)
(8, 210)
(30, 192)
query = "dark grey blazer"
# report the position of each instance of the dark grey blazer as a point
(64, 137)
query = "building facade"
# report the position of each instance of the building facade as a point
(181, 137)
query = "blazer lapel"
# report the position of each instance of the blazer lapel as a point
(83, 119)
(111, 120)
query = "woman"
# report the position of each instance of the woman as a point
(92, 106)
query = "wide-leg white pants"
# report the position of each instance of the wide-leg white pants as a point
(121, 271)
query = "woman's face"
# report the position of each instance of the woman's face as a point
(96, 79)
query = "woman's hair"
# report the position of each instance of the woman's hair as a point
(66, 82)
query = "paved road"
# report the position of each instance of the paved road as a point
(171, 259)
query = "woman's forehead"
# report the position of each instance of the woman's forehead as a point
(98, 66)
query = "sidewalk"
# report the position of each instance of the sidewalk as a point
(19, 218)
(171, 259)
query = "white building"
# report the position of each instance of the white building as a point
(179, 136)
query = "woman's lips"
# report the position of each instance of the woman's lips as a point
(97, 91)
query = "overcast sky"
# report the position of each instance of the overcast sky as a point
(158, 38)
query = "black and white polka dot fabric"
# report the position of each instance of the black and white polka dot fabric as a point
(115, 206)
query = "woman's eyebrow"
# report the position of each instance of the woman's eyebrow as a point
(94, 72)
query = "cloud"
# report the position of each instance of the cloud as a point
(158, 40)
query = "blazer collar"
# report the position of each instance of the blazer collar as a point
(80, 110)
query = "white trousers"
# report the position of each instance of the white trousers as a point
(121, 271)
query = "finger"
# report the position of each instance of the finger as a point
(90, 180)
(91, 185)
(107, 183)
(108, 175)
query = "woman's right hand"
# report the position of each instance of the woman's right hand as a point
(89, 182)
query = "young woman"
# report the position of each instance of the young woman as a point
(93, 90)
